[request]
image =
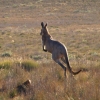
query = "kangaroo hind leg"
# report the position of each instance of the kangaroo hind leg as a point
(63, 60)
(64, 68)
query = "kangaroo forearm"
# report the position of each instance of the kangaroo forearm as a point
(44, 49)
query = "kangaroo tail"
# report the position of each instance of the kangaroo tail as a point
(69, 68)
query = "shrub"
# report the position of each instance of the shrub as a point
(6, 54)
(29, 65)
(36, 57)
(5, 64)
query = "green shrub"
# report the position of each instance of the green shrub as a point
(29, 65)
(6, 54)
(5, 64)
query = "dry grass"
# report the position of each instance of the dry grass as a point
(75, 23)
(48, 83)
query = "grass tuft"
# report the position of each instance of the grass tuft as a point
(6, 54)
(6, 64)
(29, 65)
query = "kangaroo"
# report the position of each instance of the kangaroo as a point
(56, 48)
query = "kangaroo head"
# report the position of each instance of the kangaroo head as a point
(44, 29)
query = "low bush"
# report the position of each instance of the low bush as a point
(6, 64)
(6, 54)
(29, 65)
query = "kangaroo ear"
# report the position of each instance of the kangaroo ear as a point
(46, 25)
(42, 24)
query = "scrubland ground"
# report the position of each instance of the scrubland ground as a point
(76, 23)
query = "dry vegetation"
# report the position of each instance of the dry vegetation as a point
(76, 23)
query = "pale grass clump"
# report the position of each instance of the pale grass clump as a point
(29, 65)
(6, 64)
(6, 54)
